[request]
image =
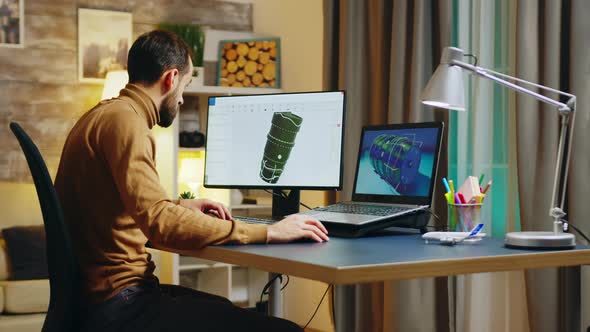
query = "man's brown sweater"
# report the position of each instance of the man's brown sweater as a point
(113, 201)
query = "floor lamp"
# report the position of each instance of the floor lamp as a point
(445, 90)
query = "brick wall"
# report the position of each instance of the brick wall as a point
(39, 83)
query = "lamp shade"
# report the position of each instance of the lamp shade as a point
(445, 88)
(114, 82)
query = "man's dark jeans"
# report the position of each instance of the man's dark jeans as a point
(174, 308)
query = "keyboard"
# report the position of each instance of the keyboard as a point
(251, 220)
(367, 209)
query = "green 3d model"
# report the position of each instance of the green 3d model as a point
(396, 159)
(280, 141)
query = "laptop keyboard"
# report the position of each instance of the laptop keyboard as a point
(373, 210)
(251, 220)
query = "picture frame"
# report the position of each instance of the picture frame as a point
(252, 63)
(12, 23)
(104, 39)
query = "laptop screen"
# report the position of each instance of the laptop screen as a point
(399, 161)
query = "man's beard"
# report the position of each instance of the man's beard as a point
(168, 110)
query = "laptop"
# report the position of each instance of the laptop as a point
(394, 180)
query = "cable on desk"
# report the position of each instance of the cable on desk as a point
(283, 195)
(580, 232)
(433, 214)
(318, 307)
(304, 205)
(437, 218)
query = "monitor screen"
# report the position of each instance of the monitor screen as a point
(398, 162)
(288, 140)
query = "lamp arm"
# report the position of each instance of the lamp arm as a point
(565, 110)
(520, 80)
(483, 72)
(572, 104)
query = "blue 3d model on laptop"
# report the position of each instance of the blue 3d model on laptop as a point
(394, 181)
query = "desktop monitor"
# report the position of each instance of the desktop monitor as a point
(275, 141)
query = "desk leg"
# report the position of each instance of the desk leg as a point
(275, 301)
(572, 305)
(344, 312)
(452, 298)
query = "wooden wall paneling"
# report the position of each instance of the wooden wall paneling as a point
(51, 32)
(47, 112)
(214, 13)
(51, 8)
(34, 65)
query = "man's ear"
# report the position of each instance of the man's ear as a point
(169, 79)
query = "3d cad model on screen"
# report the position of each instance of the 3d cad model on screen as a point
(396, 159)
(279, 143)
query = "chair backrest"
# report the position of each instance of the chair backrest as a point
(64, 278)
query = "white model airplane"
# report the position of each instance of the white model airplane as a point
(452, 238)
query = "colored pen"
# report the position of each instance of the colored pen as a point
(452, 186)
(461, 198)
(457, 199)
(446, 184)
(481, 179)
(449, 198)
(480, 198)
(486, 187)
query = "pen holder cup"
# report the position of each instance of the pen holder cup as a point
(463, 217)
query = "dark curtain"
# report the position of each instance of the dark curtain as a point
(552, 48)
(382, 53)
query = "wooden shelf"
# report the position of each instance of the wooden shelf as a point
(240, 285)
(187, 263)
(224, 91)
(191, 149)
(192, 267)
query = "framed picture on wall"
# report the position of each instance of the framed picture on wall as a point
(249, 63)
(104, 38)
(12, 23)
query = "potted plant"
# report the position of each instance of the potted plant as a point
(194, 36)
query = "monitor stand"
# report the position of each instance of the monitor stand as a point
(284, 206)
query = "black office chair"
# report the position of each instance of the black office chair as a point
(64, 309)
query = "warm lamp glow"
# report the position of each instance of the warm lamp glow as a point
(114, 82)
(191, 173)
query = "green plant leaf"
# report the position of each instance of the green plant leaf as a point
(193, 35)
(187, 195)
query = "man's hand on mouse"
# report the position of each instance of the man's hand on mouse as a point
(295, 227)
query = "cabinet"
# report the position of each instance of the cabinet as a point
(241, 285)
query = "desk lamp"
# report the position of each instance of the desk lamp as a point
(445, 90)
(115, 81)
(191, 173)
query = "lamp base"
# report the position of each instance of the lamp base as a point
(540, 240)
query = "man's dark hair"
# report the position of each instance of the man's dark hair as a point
(155, 52)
